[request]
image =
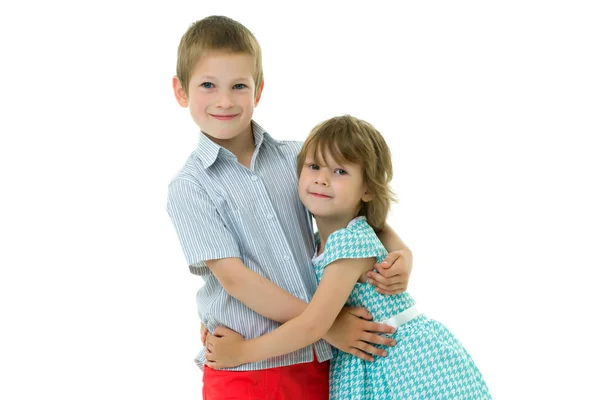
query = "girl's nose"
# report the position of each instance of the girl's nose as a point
(321, 179)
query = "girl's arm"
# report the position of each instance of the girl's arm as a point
(311, 325)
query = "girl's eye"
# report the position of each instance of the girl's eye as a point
(313, 167)
(207, 85)
(239, 86)
(340, 171)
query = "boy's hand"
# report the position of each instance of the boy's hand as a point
(224, 348)
(353, 333)
(393, 273)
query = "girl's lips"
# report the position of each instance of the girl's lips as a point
(322, 196)
(223, 117)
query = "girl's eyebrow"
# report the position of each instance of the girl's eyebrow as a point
(339, 164)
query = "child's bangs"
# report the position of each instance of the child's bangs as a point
(342, 153)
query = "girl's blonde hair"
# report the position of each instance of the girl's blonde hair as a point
(355, 141)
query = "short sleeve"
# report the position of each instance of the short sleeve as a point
(349, 243)
(200, 228)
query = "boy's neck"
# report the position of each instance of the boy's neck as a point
(242, 146)
(326, 226)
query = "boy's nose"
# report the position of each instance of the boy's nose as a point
(224, 101)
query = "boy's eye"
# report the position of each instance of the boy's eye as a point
(340, 171)
(207, 85)
(313, 166)
(239, 86)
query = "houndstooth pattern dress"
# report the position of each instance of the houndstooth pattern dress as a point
(427, 363)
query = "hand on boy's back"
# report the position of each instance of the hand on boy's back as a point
(392, 274)
(354, 333)
(203, 333)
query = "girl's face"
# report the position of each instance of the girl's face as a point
(332, 190)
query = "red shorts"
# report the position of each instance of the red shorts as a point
(306, 381)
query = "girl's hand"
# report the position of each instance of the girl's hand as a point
(224, 348)
(203, 334)
(393, 273)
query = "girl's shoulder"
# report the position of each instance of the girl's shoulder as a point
(356, 240)
(357, 229)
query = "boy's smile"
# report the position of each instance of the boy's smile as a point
(224, 117)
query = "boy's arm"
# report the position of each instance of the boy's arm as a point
(394, 272)
(227, 349)
(351, 331)
(255, 291)
(197, 222)
(391, 241)
(205, 236)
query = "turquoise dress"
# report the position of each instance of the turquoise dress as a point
(427, 363)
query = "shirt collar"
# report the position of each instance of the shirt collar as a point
(208, 151)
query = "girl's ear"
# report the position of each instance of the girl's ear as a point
(367, 196)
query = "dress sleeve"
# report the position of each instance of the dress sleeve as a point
(200, 228)
(349, 243)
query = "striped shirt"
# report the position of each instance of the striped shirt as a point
(222, 209)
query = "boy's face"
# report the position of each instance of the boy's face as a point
(221, 95)
(331, 190)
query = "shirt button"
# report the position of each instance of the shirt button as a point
(286, 258)
(254, 177)
(269, 216)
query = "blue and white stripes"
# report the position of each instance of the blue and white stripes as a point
(222, 209)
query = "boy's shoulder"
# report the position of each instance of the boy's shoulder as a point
(189, 172)
(291, 147)
(193, 169)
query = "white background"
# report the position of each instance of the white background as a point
(492, 113)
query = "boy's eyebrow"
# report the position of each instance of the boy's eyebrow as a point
(214, 78)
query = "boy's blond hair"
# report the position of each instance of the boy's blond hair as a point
(355, 141)
(219, 34)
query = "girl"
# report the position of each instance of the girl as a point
(345, 169)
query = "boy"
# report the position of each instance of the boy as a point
(242, 227)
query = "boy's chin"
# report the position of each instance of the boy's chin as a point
(220, 135)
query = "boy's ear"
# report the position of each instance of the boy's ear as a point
(179, 92)
(259, 92)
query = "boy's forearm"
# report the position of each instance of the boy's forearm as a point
(391, 241)
(255, 291)
(318, 317)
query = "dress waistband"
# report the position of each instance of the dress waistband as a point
(403, 317)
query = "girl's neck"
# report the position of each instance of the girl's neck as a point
(326, 226)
